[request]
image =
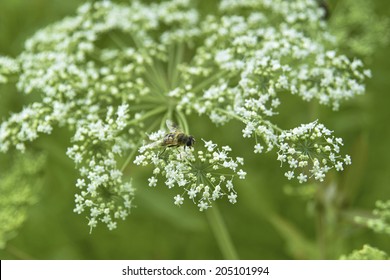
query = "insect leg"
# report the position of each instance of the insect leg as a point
(159, 155)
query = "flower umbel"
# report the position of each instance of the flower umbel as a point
(204, 175)
(112, 73)
(310, 150)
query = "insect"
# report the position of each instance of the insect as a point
(176, 138)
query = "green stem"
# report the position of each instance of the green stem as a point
(144, 106)
(135, 150)
(231, 114)
(128, 159)
(157, 72)
(176, 56)
(115, 38)
(241, 119)
(209, 81)
(167, 116)
(182, 121)
(148, 114)
(159, 80)
(17, 253)
(221, 233)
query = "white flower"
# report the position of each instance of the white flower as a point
(197, 171)
(92, 223)
(302, 178)
(339, 166)
(289, 174)
(80, 183)
(192, 193)
(111, 225)
(347, 160)
(248, 130)
(79, 208)
(152, 181)
(232, 198)
(237, 65)
(209, 145)
(178, 200)
(258, 149)
(203, 205)
(310, 145)
(241, 174)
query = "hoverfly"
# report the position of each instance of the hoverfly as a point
(176, 138)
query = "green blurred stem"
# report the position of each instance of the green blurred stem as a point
(241, 119)
(182, 121)
(17, 253)
(210, 80)
(221, 233)
(148, 114)
(135, 150)
(128, 159)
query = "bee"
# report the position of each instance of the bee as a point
(176, 138)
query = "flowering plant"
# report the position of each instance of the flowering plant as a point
(113, 74)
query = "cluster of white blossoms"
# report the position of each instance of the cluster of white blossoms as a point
(101, 189)
(112, 73)
(204, 175)
(310, 151)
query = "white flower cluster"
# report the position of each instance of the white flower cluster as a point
(260, 50)
(310, 150)
(97, 144)
(169, 60)
(82, 68)
(8, 66)
(203, 175)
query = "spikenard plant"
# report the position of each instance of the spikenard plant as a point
(113, 74)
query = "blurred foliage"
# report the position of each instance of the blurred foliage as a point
(367, 253)
(270, 221)
(20, 181)
(359, 30)
(380, 221)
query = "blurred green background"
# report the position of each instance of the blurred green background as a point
(272, 220)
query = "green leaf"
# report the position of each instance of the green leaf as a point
(19, 186)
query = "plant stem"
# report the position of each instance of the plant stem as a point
(148, 114)
(176, 54)
(128, 159)
(221, 233)
(208, 81)
(182, 121)
(17, 253)
(241, 119)
(135, 150)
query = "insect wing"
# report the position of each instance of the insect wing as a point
(171, 125)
